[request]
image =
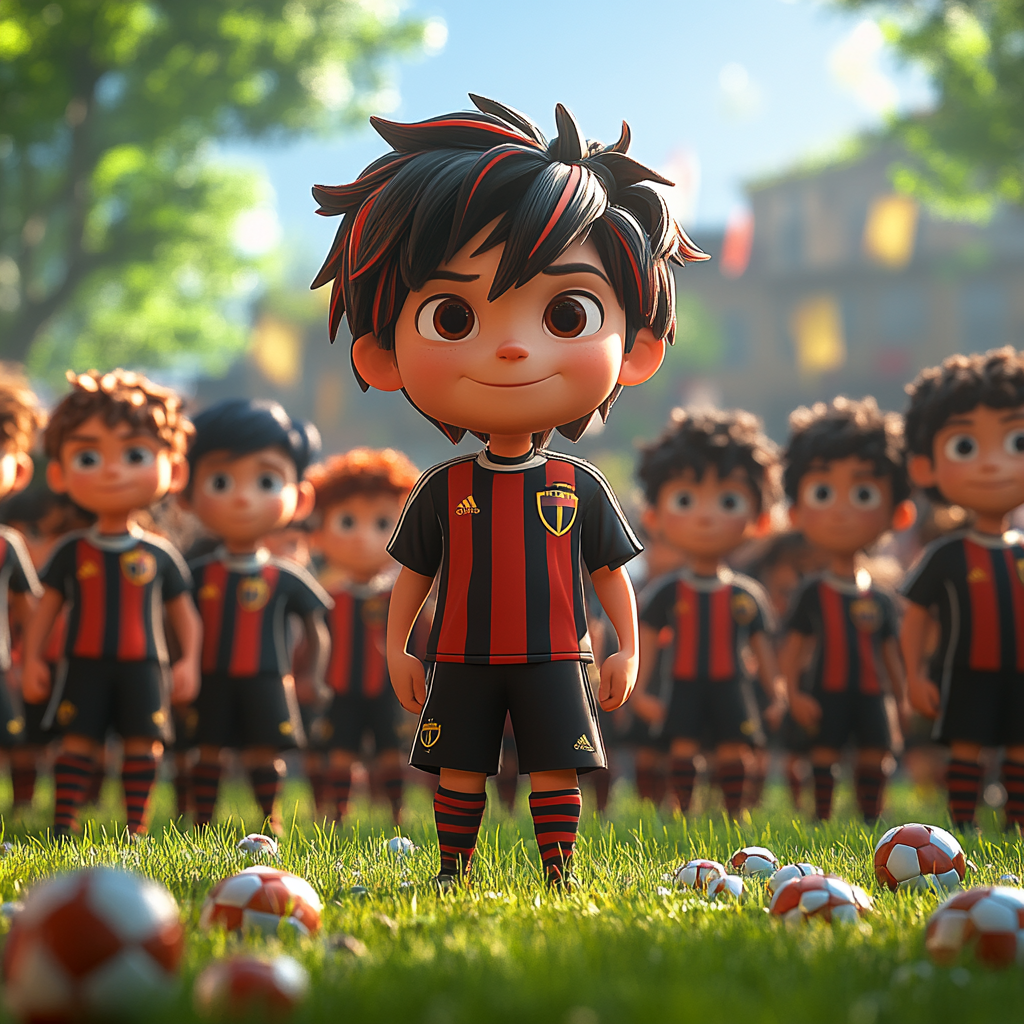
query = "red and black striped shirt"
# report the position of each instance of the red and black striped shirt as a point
(115, 588)
(17, 574)
(976, 582)
(510, 539)
(244, 602)
(711, 619)
(358, 624)
(850, 622)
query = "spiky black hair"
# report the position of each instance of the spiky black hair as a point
(449, 177)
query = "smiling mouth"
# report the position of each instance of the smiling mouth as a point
(523, 384)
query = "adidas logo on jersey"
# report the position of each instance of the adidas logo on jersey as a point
(977, 575)
(467, 507)
(584, 744)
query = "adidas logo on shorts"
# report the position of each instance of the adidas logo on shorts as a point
(584, 744)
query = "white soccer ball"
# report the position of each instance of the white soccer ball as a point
(790, 871)
(401, 846)
(754, 862)
(101, 944)
(261, 899)
(728, 887)
(919, 857)
(247, 985)
(824, 897)
(695, 874)
(256, 844)
(990, 918)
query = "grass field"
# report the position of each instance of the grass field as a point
(619, 948)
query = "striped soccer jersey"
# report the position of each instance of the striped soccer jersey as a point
(358, 625)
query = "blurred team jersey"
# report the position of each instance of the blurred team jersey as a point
(358, 626)
(17, 574)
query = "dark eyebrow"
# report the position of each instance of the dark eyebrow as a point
(558, 269)
(1014, 414)
(450, 275)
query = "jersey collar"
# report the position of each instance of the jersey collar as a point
(707, 584)
(988, 540)
(380, 584)
(528, 461)
(116, 542)
(243, 563)
(860, 585)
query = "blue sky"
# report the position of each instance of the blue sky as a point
(716, 92)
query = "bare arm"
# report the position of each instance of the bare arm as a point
(35, 676)
(406, 670)
(316, 652)
(645, 704)
(188, 628)
(893, 662)
(792, 658)
(771, 682)
(618, 673)
(923, 693)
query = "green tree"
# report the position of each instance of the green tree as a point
(968, 153)
(116, 228)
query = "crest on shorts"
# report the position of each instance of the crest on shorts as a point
(253, 593)
(557, 508)
(866, 614)
(16, 726)
(743, 607)
(66, 713)
(138, 566)
(430, 733)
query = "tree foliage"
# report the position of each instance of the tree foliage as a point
(116, 228)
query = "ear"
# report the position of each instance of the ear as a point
(55, 477)
(904, 516)
(23, 476)
(306, 501)
(641, 362)
(921, 470)
(179, 474)
(377, 366)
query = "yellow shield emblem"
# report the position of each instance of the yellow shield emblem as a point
(138, 566)
(253, 593)
(866, 614)
(430, 733)
(1020, 569)
(744, 608)
(557, 508)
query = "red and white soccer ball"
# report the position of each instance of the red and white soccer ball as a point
(790, 871)
(258, 845)
(820, 897)
(247, 985)
(728, 887)
(990, 918)
(696, 874)
(98, 944)
(754, 862)
(260, 899)
(919, 857)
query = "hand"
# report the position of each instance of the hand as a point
(775, 713)
(924, 696)
(649, 708)
(408, 680)
(35, 681)
(618, 677)
(904, 712)
(806, 711)
(184, 681)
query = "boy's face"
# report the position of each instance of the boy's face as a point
(355, 533)
(977, 460)
(543, 354)
(115, 470)
(708, 517)
(843, 506)
(242, 498)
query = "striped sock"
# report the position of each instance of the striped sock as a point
(205, 785)
(869, 782)
(457, 816)
(182, 792)
(731, 776)
(684, 775)
(1013, 780)
(556, 818)
(824, 782)
(340, 781)
(71, 774)
(138, 774)
(795, 781)
(963, 784)
(23, 784)
(266, 785)
(394, 787)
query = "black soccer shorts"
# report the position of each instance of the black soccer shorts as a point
(852, 716)
(352, 717)
(184, 719)
(12, 722)
(247, 711)
(35, 715)
(94, 695)
(712, 712)
(983, 707)
(553, 712)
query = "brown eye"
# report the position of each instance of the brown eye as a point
(447, 319)
(573, 316)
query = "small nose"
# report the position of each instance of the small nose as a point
(512, 351)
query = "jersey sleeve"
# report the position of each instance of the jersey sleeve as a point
(305, 595)
(925, 580)
(177, 579)
(23, 578)
(418, 541)
(656, 606)
(890, 626)
(764, 619)
(606, 541)
(801, 615)
(60, 567)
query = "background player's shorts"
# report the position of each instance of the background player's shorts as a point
(983, 707)
(849, 716)
(713, 712)
(93, 695)
(247, 711)
(351, 716)
(12, 722)
(184, 718)
(554, 718)
(794, 737)
(35, 714)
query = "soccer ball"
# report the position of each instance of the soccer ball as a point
(919, 857)
(991, 917)
(401, 846)
(696, 874)
(256, 844)
(754, 862)
(728, 887)
(245, 985)
(790, 871)
(822, 897)
(261, 898)
(97, 943)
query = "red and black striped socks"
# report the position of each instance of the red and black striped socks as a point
(71, 776)
(457, 816)
(731, 777)
(205, 785)
(138, 774)
(340, 782)
(963, 785)
(556, 819)
(824, 783)
(1013, 780)
(266, 785)
(869, 783)
(684, 775)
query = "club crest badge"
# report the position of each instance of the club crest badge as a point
(253, 593)
(1020, 569)
(375, 610)
(430, 733)
(138, 566)
(557, 508)
(744, 608)
(866, 614)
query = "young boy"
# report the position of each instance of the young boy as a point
(248, 461)
(508, 286)
(846, 479)
(709, 482)
(965, 431)
(116, 444)
(359, 497)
